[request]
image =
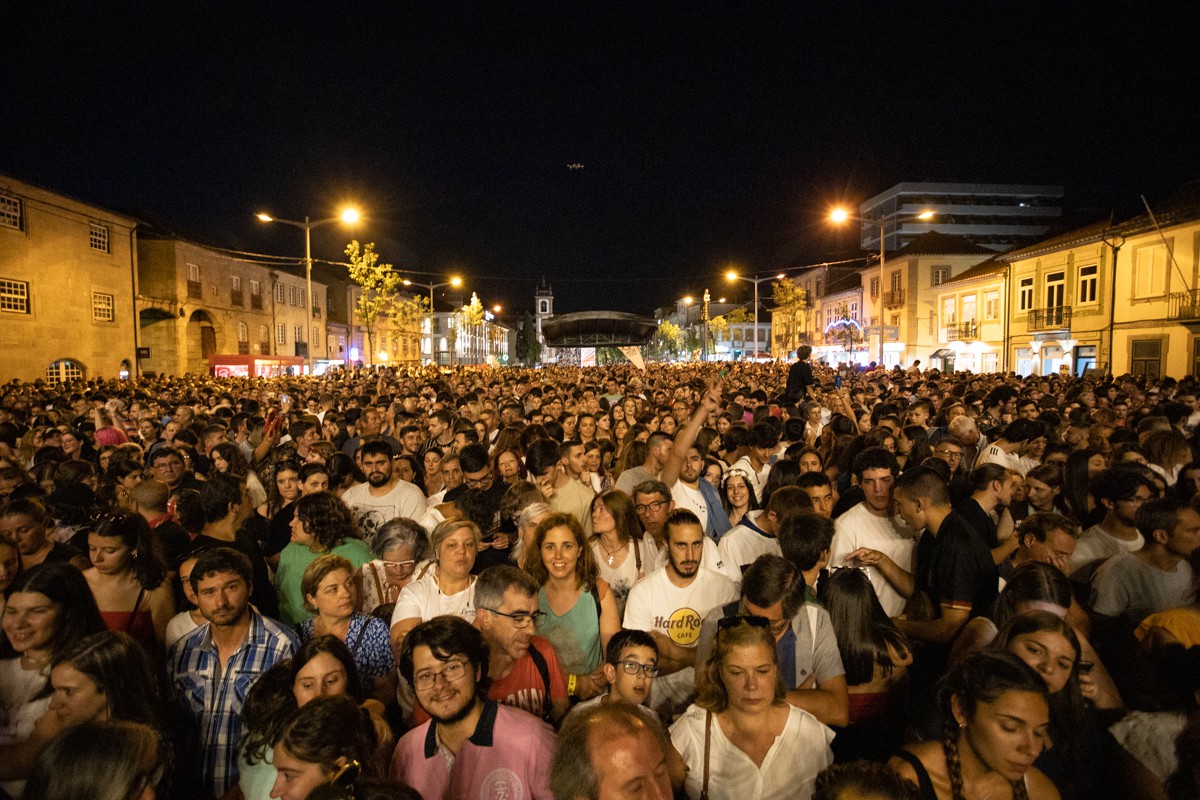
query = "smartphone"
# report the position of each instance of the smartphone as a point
(1084, 667)
(283, 398)
(837, 381)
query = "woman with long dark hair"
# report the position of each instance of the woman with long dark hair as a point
(875, 655)
(996, 713)
(623, 553)
(326, 739)
(128, 578)
(913, 446)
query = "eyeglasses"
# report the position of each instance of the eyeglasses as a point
(654, 506)
(424, 681)
(949, 455)
(475, 483)
(400, 566)
(634, 668)
(521, 619)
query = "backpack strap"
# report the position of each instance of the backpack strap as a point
(596, 599)
(543, 669)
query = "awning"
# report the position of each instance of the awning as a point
(943, 353)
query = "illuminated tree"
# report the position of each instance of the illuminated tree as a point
(381, 302)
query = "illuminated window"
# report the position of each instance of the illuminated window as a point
(103, 307)
(14, 296)
(1025, 294)
(98, 237)
(63, 371)
(243, 332)
(280, 293)
(299, 331)
(10, 213)
(940, 275)
(316, 336)
(991, 305)
(281, 333)
(1087, 284)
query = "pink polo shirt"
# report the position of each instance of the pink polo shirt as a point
(508, 756)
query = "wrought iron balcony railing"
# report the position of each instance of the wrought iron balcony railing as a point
(1054, 318)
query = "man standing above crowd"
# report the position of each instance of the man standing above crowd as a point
(383, 496)
(213, 668)
(800, 376)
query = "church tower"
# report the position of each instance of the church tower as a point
(543, 305)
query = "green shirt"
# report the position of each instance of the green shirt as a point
(294, 559)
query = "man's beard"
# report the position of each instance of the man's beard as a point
(378, 478)
(457, 716)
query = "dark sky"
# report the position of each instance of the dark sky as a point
(709, 133)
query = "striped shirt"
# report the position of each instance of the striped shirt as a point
(215, 693)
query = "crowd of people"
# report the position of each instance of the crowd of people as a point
(703, 581)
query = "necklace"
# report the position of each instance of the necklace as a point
(30, 663)
(612, 554)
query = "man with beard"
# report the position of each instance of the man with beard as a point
(683, 468)
(471, 747)
(671, 603)
(383, 497)
(1121, 491)
(523, 666)
(213, 667)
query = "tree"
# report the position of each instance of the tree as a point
(529, 349)
(789, 304)
(380, 299)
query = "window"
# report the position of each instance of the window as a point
(14, 296)
(194, 288)
(10, 213)
(98, 237)
(316, 336)
(1150, 271)
(280, 293)
(243, 332)
(301, 294)
(263, 337)
(1087, 285)
(991, 305)
(299, 331)
(281, 333)
(63, 371)
(897, 281)
(291, 295)
(1025, 294)
(235, 290)
(1056, 288)
(543, 307)
(874, 287)
(854, 310)
(948, 311)
(103, 307)
(193, 271)
(940, 275)
(1145, 357)
(970, 307)
(255, 289)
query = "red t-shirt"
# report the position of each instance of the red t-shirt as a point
(523, 687)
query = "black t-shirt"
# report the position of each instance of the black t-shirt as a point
(174, 541)
(978, 521)
(955, 568)
(800, 377)
(280, 531)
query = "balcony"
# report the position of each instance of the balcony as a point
(961, 332)
(194, 289)
(244, 348)
(302, 349)
(893, 299)
(316, 312)
(256, 302)
(1184, 305)
(1055, 318)
(264, 348)
(237, 298)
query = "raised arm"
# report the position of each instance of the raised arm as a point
(709, 403)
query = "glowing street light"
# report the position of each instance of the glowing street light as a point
(839, 216)
(732, 276)
(347, 216)
(455, 281)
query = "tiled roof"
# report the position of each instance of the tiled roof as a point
(933, 243)
(985, 269)
(1085, 235)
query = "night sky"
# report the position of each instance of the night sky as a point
(710, 134)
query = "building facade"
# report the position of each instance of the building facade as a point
(68, 278)
(996, 216)
(972, 319)
(195, 302)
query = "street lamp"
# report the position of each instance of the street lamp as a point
(732, 276)
(455, 281)
(349, 216)
(841, 215)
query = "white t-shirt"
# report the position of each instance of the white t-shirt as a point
(657, 604)
(622, 577)
(371, 512)
(180, 626)
(1094, 547)
(857, 528)
(710, 559)
(789, 770)
(994, 455)
(691, 499)
(423, 599)
(758, 479)
(743, 544)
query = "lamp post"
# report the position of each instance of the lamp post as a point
(840, 215)
(349, 216)
(704, 319)
(455, 281)
(732, 276)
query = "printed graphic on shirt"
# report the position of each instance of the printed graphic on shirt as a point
(683, 626)
(502, 784)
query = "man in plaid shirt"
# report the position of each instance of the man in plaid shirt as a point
(213, 668)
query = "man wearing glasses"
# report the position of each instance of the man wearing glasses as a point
(523, 666)
(471, 746)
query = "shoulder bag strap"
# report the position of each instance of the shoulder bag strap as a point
(636, 543)
(133, 614)
(378, 583)
(361, 631)
(707, 744)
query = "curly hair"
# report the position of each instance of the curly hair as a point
(326, 518)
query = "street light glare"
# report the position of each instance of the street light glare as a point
(456, 281)
(406, 282)
(496, 308)
(780, 276)
(350, 216)
(687, 301)
(839, 215)
(265, 217)
(731, 276)
(926, 215)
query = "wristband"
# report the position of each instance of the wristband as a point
(571, 681)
